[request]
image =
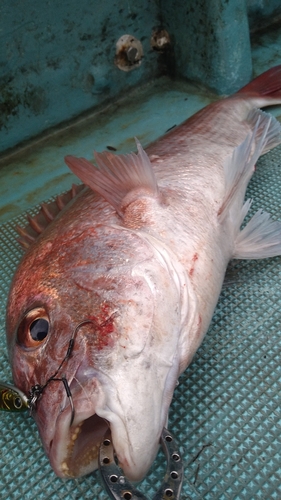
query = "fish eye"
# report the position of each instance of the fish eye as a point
(39, 329)
(17, 403)
(34, 328)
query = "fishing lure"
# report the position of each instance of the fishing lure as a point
(12, 398)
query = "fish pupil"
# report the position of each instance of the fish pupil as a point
(39, 329)
(17, 403)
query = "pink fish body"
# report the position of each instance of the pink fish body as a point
(134, 264)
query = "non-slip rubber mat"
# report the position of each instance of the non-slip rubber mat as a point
(226, 412)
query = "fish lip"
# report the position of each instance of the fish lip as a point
(73, 449)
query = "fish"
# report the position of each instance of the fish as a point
(121, 275)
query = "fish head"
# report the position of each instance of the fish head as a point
(109, 300)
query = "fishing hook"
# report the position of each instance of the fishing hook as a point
(13, 399)
(37, 390)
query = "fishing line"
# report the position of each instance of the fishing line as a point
(37, 390)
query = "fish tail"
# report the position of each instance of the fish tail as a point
(266, 86)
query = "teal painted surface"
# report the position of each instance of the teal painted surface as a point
(57, 59)
(266, 48)
(212, 42)
(262, 12)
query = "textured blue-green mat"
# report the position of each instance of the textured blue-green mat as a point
(226, 412)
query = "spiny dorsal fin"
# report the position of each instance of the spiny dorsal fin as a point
(241, 165)
(45, 216)
(120, 179)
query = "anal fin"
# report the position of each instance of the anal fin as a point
(259, 239)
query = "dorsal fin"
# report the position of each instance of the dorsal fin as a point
(120, 179)
(45, 216)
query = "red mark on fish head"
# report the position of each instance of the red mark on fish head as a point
(103, 328)
(193, 261)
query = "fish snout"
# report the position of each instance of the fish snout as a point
(136, 411)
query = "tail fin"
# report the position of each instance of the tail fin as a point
(267, 85)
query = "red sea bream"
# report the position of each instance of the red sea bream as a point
(131, 267)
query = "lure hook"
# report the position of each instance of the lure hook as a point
(13, 399)
(37, 390)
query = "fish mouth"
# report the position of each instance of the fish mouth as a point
(74, 449)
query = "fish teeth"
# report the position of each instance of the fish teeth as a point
(76, 433)
(87, 457)
(64, 467)
(90, 455)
